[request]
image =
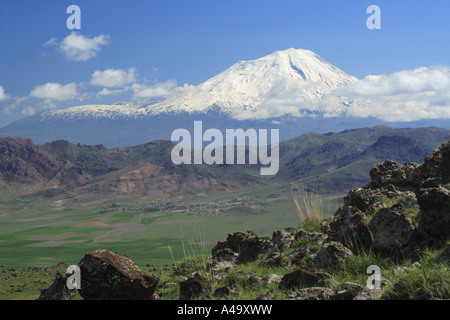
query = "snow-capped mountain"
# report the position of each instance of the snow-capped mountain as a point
(284, 82)
(277, 90)
(250, 85)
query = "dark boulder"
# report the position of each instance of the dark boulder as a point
(274, 259)
(435, 217)
(330, 256)
(298, 254)
(193, 287)
(106, 275)
(317, 237)
(392, 230)
(242, 247)
(223, 252)
(388, 172)
(351, 226)
(58, 290)
(304, 278)
(282, 239)
(437, 166)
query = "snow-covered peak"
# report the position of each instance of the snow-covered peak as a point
(97, 111)
(300, 75)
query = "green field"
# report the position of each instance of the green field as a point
(43, 232)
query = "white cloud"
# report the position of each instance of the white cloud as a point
(77, 47)
(161, 89)
(408, 95)
(113, 77)
(3, 95)
(28, 111)
(404, 96)
(107, 92)
(55, 91)
(51, 42)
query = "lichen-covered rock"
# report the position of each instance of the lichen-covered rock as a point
(325, 227)
(437, 166)
(194, 286)
(388, 172)
(435, 217)
(317, 237)
(351, 226)
(282, 239)
(298, 254)
(392, 230)
(304, 278)
(330, 256)
(361, 198)
(106, 275)
(274, 259)
(242, 247)
(314, 293)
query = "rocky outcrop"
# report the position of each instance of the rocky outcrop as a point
(242, 247)
(330, 256)
(389, 173)
(351, 227)
(282, 239)
(384, 215)
(106, 275)
(317, 237)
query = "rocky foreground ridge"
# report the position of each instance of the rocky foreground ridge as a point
(400, 220)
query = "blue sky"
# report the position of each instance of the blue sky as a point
(154, 46)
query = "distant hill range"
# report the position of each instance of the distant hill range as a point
(331, 163)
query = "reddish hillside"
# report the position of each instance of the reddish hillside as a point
(150, 179)
(23, 162)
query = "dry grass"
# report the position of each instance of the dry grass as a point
(309, 205)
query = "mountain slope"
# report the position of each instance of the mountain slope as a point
(23, 162)
(148, 179)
